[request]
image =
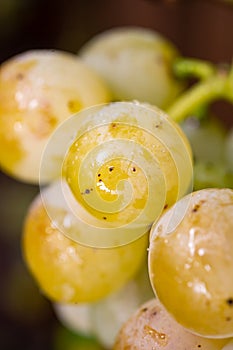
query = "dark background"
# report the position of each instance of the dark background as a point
(202, 29)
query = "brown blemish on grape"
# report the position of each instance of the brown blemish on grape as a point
(43, 126)
(159, 337)
(134, 169)
(74, 106)
(199, 346)
(104, 217)
(19, 76)
(111, 168)
(229, 301)
(165, 206)
(228, 319)
(144, 309)
(197, 206)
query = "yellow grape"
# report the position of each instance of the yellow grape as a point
(152, 327)
(70, 272)
(38, 90)
(122, 164)
(191, 262)
(136, 63)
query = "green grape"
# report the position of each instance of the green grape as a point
(136, 63)
(67, 271)
(109, 314)
(152, 327)
(207, 139)
(38, 90)
(191, 262)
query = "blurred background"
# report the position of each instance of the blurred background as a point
(202, 29)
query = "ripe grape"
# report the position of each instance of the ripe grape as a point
(123, 163)
(136, 63)
(152, 327)
(191, 262)
(38, 90)
(70, 272)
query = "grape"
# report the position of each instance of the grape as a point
(123, 163)
(109, 314)
(152, 327)
(136, 63)
(207, 138)
(70, 272)
(75, 317)
(191, 262)
(39, 90)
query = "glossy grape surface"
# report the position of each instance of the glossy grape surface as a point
(122, 164)
(70, 272)
(152, 327)
(191, 262)
(38, 90)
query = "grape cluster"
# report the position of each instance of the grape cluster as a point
(131, 234)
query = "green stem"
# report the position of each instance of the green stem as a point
(202, 93)
(191, 67)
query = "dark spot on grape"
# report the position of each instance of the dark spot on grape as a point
(229, 301)
(113, 125)
(87, 191)
(104, 217)
(144, 309)
(154, 313)
(111, 168)
(228, 319)
(100, 180)
(19, 76)
(134, 169)
(199, 346)
(195, 208)
(165, 207)
(99, 175)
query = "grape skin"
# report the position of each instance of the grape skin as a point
(136, 63)
(70, 272)
(38, 90)
(191, 262)
(152, 327)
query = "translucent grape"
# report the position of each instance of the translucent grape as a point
(136, 63)
(152, 327)
(191, 262)
(121, 164)
(39, 90)
(67, 271)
